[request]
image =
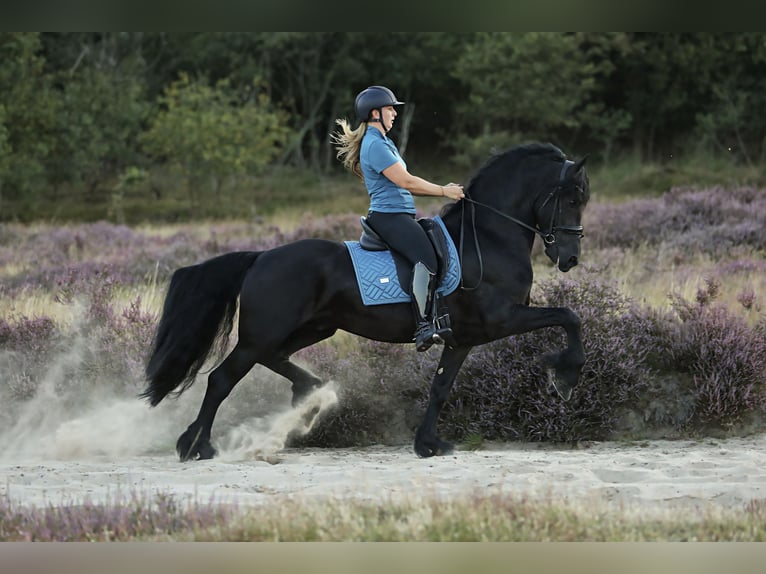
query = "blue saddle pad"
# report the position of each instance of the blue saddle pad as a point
(377, 278)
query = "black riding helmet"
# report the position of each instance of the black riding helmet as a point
(373, 98)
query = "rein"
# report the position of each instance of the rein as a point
(548, 237)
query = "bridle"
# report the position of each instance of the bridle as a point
(548, 237)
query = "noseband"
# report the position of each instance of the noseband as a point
(549, 237)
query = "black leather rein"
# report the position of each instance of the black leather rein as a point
(548, 237)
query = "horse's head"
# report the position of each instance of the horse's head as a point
(547, 203)
(559, 215)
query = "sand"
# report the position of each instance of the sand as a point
(254, 468)
(727, 473)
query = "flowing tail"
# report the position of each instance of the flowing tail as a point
(197, 317)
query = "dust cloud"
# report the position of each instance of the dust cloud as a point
(72, 411)
(263, 438)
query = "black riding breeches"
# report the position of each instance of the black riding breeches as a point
(403, 234)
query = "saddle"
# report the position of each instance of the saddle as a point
(385, 276)
(371, 241)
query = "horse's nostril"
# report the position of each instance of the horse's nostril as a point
(573, 260)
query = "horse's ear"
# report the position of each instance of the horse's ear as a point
(577, 167)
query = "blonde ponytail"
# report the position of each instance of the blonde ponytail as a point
(348, 142)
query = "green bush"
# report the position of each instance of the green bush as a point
(212, 133)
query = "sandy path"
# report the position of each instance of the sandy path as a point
(662, 474)
(111, 452)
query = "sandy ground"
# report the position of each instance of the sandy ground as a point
(729, 473)
(98, 456)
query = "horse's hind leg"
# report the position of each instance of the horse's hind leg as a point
(303, 382)
(195, 443)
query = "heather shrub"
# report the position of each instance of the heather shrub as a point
(648, 373)
(160, 517)
(127, 338)
(33, 335)
(25, 344)
(504, 393)
(55, 258)
(103, 347)
(696, 367)
(380, 388)
(712, 220)
(720, 356)
(118, 339)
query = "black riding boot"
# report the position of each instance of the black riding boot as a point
(422, 295)
(422, 280)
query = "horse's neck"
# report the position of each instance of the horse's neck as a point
(515, 242)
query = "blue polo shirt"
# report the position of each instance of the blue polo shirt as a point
(379, 153)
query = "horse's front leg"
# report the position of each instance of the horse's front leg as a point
(565, 365)
(426, 442)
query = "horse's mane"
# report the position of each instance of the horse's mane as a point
(509, 157)
(515, 155)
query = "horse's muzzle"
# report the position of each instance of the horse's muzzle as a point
(566, 265)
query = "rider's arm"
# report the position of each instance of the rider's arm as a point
(398, 174)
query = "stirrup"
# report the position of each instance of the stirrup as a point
(425, 336)
(443, 336)
(443, 330)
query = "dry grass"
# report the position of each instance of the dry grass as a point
(650, 278)
(481, 518)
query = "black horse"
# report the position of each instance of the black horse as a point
(300, 293)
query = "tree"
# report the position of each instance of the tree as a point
(5, 153)
(602, 119)
(315, 76)
(418, 66)
(213, 132)
(733, 121)
(665, 79)
(100, 117)
(28, 116)
(102, 105)
(522, 86)
(306, 70)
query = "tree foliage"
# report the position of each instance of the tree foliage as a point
(28, 115)
(100, 118)
(516, 85)
(214, 132)
(80, 110)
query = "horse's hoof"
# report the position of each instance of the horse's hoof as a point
(201, 452)
(434, 448)
(206, 451)
(563, 374)
(193, 447)
(301, 392)
(563, 388)
(185, 455)
(564, 391)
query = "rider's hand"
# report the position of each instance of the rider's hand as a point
(453, 191)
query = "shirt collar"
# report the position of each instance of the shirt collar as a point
(377, 132)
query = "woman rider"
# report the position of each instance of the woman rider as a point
(372, 156)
